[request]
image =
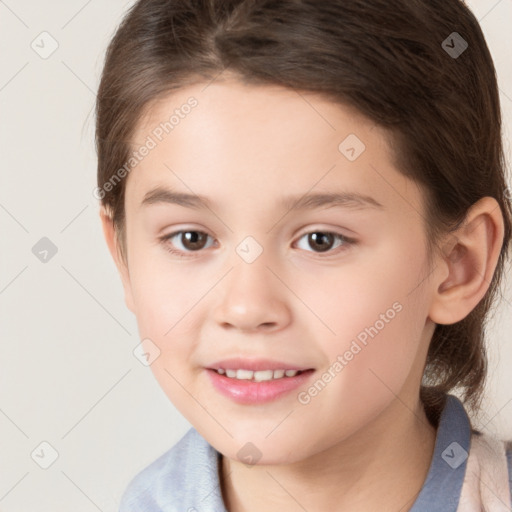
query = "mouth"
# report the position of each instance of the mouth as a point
(253, 387)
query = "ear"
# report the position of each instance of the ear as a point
(467, 263)
(111, 238)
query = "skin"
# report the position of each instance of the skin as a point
(363, 443)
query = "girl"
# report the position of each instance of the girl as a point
(307, 205)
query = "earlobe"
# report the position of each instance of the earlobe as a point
(111, 239)
(467, 263)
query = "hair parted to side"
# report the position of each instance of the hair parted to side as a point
(383, 57)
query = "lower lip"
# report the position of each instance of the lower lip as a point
(250, 392)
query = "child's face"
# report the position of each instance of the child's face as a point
(246, 149)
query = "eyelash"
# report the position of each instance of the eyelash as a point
(346, 242)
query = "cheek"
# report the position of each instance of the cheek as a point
(378, 359)
(373, 317)
(164, 294)
(165, 310)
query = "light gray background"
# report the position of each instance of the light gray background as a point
(67, 372)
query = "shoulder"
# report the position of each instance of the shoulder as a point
(168, 475)
(495, 460)
(508, 451)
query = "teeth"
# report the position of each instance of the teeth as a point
(257, 376)
(263, 375)
(243, 374)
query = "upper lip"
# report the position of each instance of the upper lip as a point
(237, 363)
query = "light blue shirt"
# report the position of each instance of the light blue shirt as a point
(186, 477)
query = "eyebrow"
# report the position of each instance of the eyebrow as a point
(353, 200)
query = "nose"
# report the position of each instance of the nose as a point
(253, 299)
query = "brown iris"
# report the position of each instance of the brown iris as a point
(193, 240)
(323, 241)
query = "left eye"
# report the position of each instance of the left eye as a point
(324, 240)
(194, 241)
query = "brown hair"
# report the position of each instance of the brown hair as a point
(390, 59)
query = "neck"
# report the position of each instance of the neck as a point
(381, 467)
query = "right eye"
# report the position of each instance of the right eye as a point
(191, 241)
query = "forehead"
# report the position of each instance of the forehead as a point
(253, 114)
(262, 141)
